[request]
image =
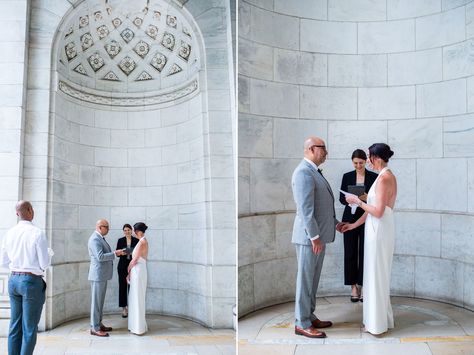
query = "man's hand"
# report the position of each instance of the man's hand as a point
(119, 252)
(339, 226)
(317, 246)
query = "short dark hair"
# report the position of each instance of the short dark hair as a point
(126, 225)
(359, 153)
(140, 226)
(381, 150)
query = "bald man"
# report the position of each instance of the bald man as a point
(100, 271)
(314, 226)
(25, 252)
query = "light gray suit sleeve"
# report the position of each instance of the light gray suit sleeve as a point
(304, 198)
(96, 249)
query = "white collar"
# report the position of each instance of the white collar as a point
(312, 163)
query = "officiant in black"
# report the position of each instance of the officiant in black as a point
(127, 243)
(358, 182)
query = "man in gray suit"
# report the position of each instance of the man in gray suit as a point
(100, 271)
(315, 225)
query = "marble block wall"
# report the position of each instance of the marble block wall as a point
(355, 73)
(13, 46)
(156, 148)
(129, 167)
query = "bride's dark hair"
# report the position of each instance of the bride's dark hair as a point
(381, 150)
(140, 226)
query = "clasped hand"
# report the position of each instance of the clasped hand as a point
(318, 246)
(120, 252)
(347, 227)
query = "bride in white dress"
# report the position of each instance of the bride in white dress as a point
(137, 276)
(379, 241)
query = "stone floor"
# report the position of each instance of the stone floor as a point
(421, 328)
(166, 335)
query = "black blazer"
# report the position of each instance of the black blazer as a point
(122, 243)
(350, 179)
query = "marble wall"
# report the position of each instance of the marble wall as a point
(128, 167)
(14, 49)
(355, 73)
(168, 162)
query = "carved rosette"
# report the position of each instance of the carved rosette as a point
(122, 49)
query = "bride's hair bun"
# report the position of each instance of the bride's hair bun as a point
(381, 150)
(140, 226)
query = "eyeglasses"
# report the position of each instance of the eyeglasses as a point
(319, 146)
(104, 227)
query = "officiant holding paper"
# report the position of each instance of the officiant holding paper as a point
(126, 243)
(357, 182)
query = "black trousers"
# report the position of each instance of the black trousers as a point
(354, 256)
(123, 287)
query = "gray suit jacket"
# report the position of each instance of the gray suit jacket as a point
(315, 213)
(102, 258)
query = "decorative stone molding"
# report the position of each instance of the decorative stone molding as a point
(122, 100)
(139, 46)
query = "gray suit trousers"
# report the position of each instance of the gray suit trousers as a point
(307, 281)
(98, 289)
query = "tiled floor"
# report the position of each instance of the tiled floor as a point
(166, 335)
(421, 328)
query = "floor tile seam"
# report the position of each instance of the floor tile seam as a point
(438, 339)
(266, 322)
(331, 341)
(341, 341)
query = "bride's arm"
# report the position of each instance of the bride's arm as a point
(134, 260)
(359, 222)
(381, 199)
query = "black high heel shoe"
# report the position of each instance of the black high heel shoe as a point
(354, 299)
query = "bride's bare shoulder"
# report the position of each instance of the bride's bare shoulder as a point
(387, 181)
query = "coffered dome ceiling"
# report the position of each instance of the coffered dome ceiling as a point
(126, 49)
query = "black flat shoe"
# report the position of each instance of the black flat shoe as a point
(354, 299)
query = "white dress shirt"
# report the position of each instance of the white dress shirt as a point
(316, 167)
(25, 249)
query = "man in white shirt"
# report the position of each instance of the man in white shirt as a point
(24, 251)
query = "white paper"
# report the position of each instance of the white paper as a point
(351, 205)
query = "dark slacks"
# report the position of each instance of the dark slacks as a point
(354, 256)
(123, 287)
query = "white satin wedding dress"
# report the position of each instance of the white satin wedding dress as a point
(136, 296)
(378, 255)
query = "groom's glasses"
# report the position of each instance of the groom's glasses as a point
(319, 146)
(104, 227)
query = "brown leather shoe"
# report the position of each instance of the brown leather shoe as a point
(99, 333)
(321, 323)
(105, 329)
(310, 332)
